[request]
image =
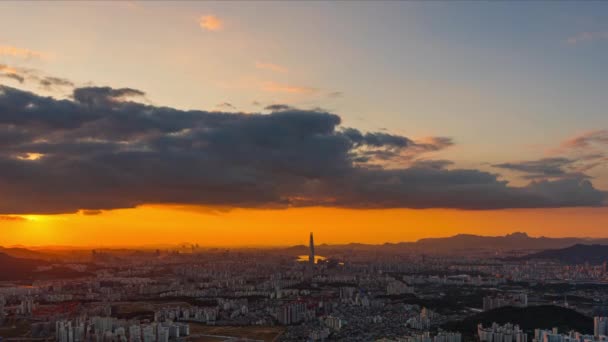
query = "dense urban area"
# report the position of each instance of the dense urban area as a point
(463, 288)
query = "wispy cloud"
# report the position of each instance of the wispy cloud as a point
(23, 75)
(225, 105)
(211, 23)
(586, 139)
(286, 88)
(271, 67)
(12, 51)
(573, 158)
(11, 73)
(587, 37)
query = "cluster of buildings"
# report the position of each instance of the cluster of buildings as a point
(501, 333)
(441, 336)
(102, 329)
(423, 321)
(495, 302)
(542, 335)
(512, 333)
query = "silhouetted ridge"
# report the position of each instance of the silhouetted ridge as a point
(577, 254)
(12, 268)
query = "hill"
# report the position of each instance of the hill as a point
(577, 254)
(24, 253)
(530, 318)
(12, 268)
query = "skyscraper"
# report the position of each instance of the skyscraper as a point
(311, 255)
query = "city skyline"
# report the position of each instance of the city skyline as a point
(246, 124)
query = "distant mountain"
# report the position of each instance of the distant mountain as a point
(12, 268)
(515, 241)
(529, 318)
(577, 254)
(22, 252)
(463, 244)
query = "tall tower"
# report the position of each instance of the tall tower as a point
(311, 255)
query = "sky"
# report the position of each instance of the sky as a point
(253, 123)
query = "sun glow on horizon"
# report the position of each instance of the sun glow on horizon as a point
(171, 225)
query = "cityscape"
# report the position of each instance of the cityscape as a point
(303, 171)
(350, 293)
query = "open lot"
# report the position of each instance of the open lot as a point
(266, 334)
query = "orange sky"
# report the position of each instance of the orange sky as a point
(239, 227)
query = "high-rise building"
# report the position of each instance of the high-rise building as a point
(600, 326)
(311, 255)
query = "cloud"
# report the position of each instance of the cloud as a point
(271, 67)
(278, 107)
(211, 23)
(335, 94)
(587, 139)
(541, 168)
(91, 212)
(573, 159)
(432, 164)
(50, 82)
(226, 105)
(23, 75)
(12, 76)
(10, 72)
(12, 218)
(587, 37)
(101, 150)
(285, 88)
(11, 51)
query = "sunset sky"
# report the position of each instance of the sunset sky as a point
(254, 123)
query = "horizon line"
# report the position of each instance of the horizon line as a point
(272, 246)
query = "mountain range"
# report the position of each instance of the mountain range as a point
(465, 244)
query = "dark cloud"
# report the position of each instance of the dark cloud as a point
(575, 166)
(378, 139)
(91, 212)
(278, 107)
(546, 167)
(101, 150)
(103, 95)
(432, 164)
